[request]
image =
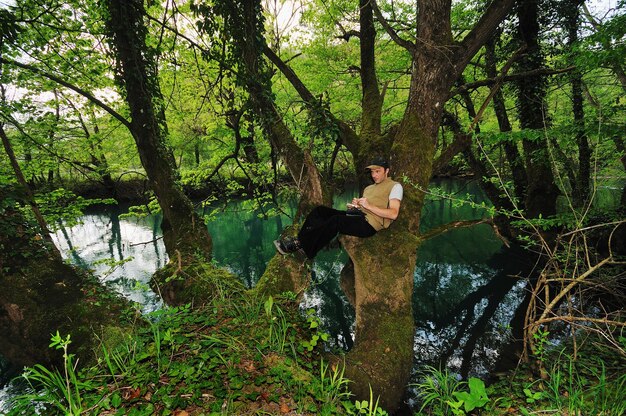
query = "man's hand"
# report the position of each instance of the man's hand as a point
(391, 212)
(362, 202)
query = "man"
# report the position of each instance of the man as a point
(376, 209)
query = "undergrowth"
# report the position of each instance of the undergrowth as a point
(589, 382)
(237, 355)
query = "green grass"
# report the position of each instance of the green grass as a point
(592, 384)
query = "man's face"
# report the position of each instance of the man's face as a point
(379, 174)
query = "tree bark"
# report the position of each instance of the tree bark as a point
(541, 193)
(511, 151)
(184, 233)
(582, 186)
(382, 354)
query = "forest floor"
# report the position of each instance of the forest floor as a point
(242, 354)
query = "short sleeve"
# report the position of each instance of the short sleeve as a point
(396, 192)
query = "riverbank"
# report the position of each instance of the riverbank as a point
(455, 277)
(246, 355)
(238, 354)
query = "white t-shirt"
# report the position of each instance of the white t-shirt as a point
(396, 192)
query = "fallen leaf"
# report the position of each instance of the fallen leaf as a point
(131, 394)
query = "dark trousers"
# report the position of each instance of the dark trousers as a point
(323, 224)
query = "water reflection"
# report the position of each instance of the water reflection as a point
(124, 253)
(466, 289)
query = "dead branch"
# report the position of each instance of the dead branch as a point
(145, 242)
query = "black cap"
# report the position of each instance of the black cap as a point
(378, 162)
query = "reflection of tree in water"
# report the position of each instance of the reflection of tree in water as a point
(115, 237)
(334, 310)
(76, 258)
(252, 255)
(459, 310)
(156, 235)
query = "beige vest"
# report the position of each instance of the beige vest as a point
(378, 195)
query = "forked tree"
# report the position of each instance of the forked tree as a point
(382, 267)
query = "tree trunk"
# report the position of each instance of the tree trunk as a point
(382, 353)
(510, 147)
(383, 265)
(43, 226)
(541, 193)
(572, 23)
(283, 273)
(184, 233)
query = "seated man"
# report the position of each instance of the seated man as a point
(376, 210)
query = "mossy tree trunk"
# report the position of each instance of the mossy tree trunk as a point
(384, 265)
(41, 294)
(541, 193)
(184, 233)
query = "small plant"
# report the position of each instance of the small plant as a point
(50, 387)
(541, 343)
(364, 407)
(532, 397)
(476, 398)
(314, 324)
(333, 384)
(278, 326)
(437, 389)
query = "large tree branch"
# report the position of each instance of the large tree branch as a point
(390, 31)
(291, 76)
(507, 78)
(371, 100)
(72, 87)
(478, 36)
(460, 143)
(496, 87)
(347, 134)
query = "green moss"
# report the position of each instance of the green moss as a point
(198, 283)
(383, 356)
(285, 274)
(47, 295)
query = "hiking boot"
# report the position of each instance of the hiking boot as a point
(288, 245)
